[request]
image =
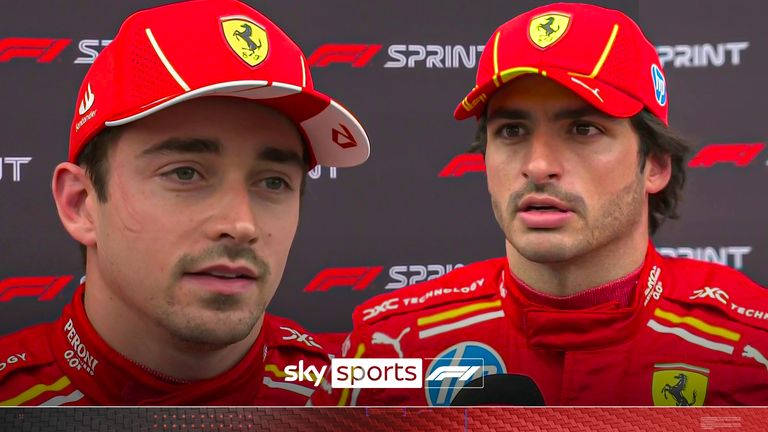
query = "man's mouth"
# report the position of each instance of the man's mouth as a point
(543, 212)
(223, 275)
(223, 279)
(226, 271)
(543, 208)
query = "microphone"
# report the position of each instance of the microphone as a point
(500, 389)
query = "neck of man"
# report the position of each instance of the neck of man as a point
(144, 342)
(599, 266)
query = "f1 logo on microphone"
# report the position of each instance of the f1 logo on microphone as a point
(455, 375)
(463, 373)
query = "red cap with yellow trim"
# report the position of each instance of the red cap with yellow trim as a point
(174, 53)
(600, 54)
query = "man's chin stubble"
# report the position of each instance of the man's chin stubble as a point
(217, 328)
(553, 251)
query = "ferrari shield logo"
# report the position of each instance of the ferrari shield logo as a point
(679, 385)
(544, 30)
(247, 39)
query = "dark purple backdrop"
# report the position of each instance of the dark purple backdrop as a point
(394, 218)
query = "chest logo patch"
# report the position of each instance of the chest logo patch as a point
(679, 384)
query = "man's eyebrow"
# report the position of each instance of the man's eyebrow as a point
(581, 112)
(509, 114)
(184, 145)
(274, 154)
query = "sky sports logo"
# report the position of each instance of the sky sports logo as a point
(391, 373)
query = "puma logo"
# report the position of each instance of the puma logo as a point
(381, 338)
(593, 90)
(753, 353)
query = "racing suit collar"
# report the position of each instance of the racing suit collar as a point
(108, 378)
(583, 329)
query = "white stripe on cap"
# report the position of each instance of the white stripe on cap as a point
(165, 61)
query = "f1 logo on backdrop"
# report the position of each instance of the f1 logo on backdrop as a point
(357, 55)
(357, 277)
(463, 164)
(44, 50)
(360, 278)
(45, 288)
(399, 55)
(739, 154)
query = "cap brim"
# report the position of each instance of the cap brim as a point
(335, 136)
(602, 96)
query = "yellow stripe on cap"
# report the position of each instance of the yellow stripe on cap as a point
(453, 313)
(496, 59)
(514, 72)
(36, 391)
(469, 106)
(698, 324)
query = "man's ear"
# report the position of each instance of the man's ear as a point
(75, 200)
(658, 171)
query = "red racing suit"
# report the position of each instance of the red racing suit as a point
(695, 333)
(67, 363)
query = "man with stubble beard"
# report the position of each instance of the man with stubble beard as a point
(582, 169)
(193, 132)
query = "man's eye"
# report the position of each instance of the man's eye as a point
(275, 183)
(184, 173)
(511, 131)
(585, 130)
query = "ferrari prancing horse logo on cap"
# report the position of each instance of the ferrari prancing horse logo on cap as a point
(545, 30)
(247, 39)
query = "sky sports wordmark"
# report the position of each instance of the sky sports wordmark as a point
(392, 373)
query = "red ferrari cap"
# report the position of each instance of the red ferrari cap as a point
(600, 54)
(174, 53)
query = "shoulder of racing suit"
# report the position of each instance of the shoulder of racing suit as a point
(465, 284)
(25, 349)
(287, 344)
(715, 290)
(286, 335)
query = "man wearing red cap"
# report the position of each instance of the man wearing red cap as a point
(582, 169)
(192, 134)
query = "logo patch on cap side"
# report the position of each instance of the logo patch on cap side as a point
(659, 85)
(349, 138)
(87, 102)
(247, 39)
(545, 30)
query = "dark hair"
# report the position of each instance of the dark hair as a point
(656, 140)
(94, 159)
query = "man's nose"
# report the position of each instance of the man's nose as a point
(543, 161)
(235, 218)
